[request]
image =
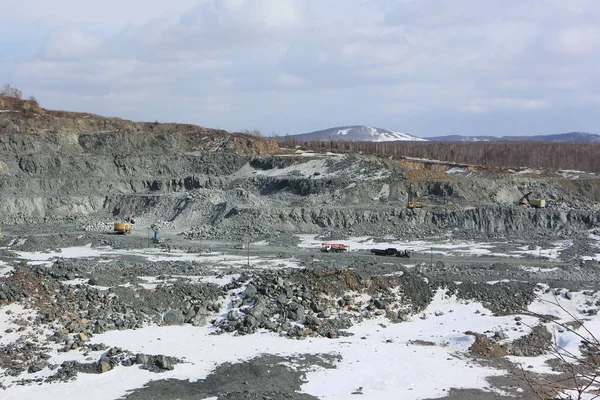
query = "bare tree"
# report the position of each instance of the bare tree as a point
(555, 156)
(581, 379)
(9, 91)
(253, 132)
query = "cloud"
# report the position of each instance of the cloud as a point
(240, 64)
(489, 104)
(102, 16)
(578, 40)
(70, 42)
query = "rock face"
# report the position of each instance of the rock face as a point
(69, 167)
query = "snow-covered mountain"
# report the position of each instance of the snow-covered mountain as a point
(358, 133)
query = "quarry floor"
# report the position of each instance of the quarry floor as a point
(425, 356)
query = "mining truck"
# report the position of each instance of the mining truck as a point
(391, 251)
(414, 204)
(334, 247)
(122, 228)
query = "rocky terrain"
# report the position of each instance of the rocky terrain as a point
(66, 282)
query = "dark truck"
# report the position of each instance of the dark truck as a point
(391, 251)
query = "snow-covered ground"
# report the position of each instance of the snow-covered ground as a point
(5, 269)
(107, 254)
(380, 357)
(566, 342)
(446, 247)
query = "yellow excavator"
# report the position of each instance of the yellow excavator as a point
(525, 201)
(411, 202)
(414, 204)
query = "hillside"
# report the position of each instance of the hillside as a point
(61, 166)
(74, 132)
(358, 133)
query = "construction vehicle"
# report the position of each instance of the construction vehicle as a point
(537, 203)
(525, 201)
(411, 198)
(122, 228)
(391, 251)
(334, 247)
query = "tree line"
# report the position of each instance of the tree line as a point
(547, 155)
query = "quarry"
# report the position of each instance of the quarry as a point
(219, 288)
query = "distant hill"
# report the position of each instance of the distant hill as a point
(561, 137)
(358, 133)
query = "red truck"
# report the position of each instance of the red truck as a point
(334, 247)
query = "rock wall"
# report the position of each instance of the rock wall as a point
(218, 184)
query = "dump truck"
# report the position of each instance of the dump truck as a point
(392, 252)
(334, 247)
(414, 204)
(122, 228)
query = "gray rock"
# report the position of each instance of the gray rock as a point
(300, 312)
(199, 320)
(104, 366)
(569, 296)
(311, 320)
(251, 322)
(164, 363)
(499, 335)
(282, 299)
(233, 315)
(379, 304)
(141, 359)
(37, 367)
(251, 291)
(173, 317)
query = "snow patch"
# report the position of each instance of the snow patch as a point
(374, 358)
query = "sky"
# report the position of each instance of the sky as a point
(424, 67)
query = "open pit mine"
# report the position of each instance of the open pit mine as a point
(163, 261)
